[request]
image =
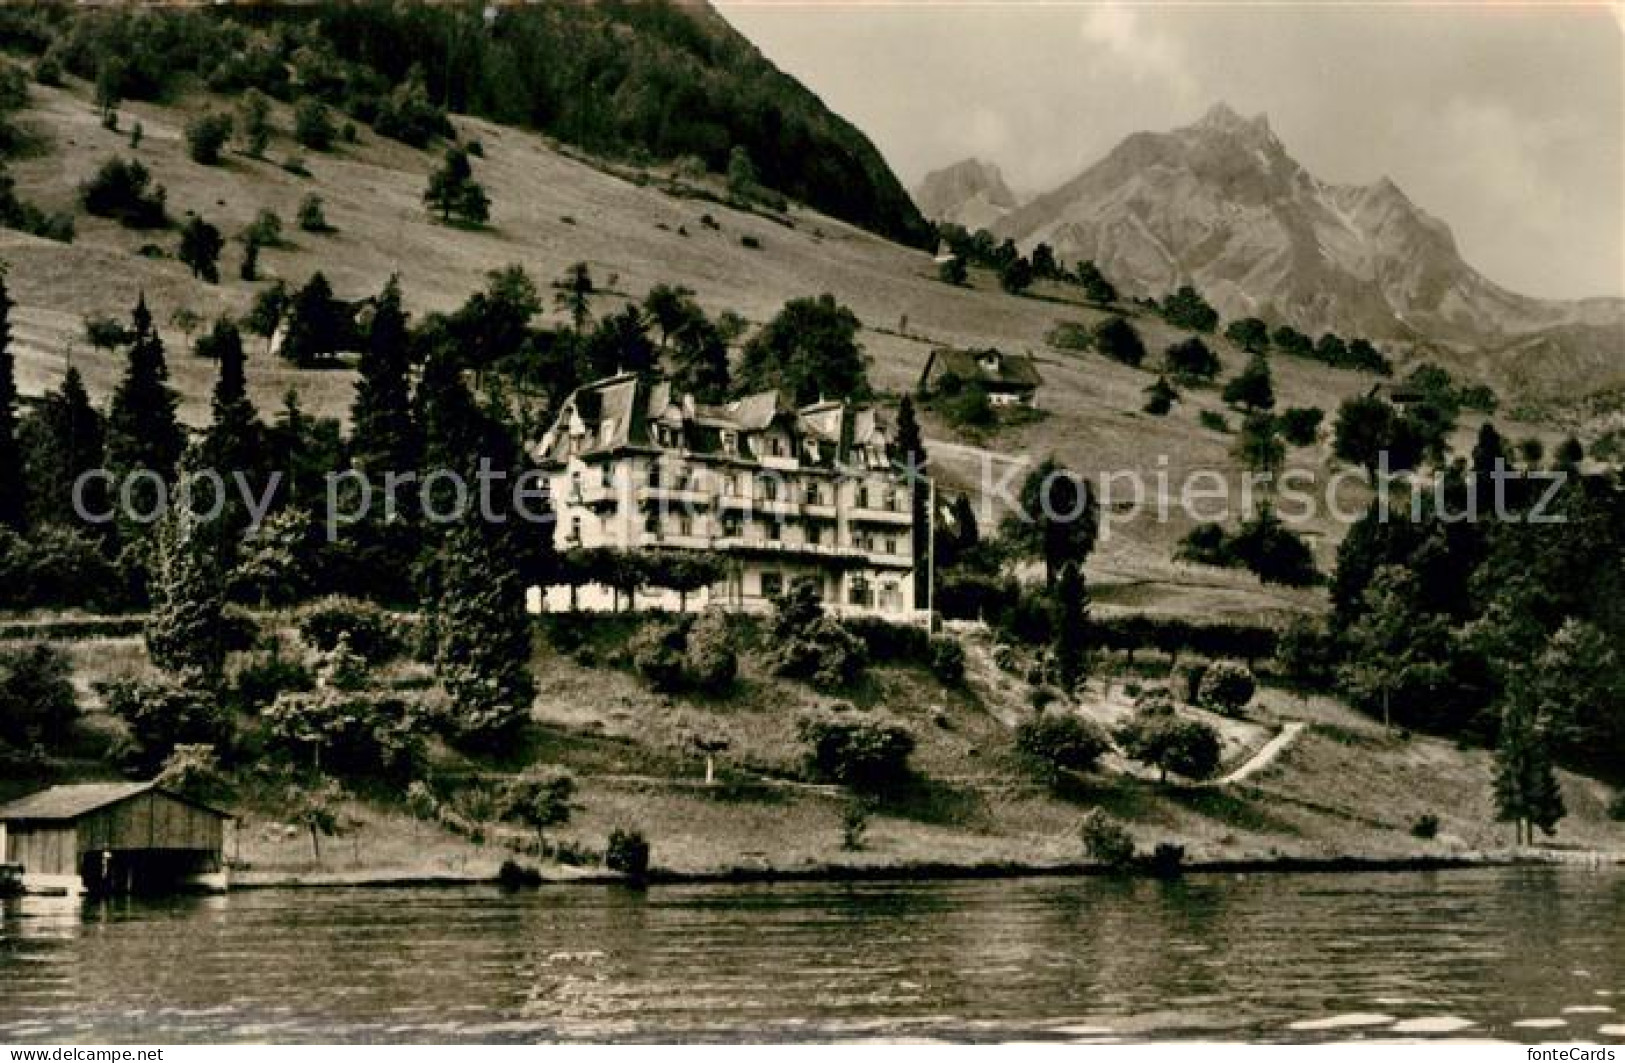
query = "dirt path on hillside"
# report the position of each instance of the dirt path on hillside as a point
(1268, 754)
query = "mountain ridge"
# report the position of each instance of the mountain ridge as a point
(1223, 205)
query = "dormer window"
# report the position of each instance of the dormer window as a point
(606, 431)
(990, 361)
(730, 442)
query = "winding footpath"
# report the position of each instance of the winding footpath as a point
(1268, 754)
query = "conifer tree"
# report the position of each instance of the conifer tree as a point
(483, 642)
(1070, 610)
(63, 439)
(383, 438)
(13, 494)
(1525, 785)
(142, 431)
(183, 630)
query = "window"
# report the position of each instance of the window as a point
(860, 593)
(654, 475)
(815, 534)
(606, 431)
(812, 495)
(730, 442)
(891, 544)
(775, 447)
(772, 584)
(730, 527)
(575, 530)
(685, 526)
(651, 524)
(775, 530)
(575, 485)
(890, 599)
(770, 489)
(728, 484)
(863, 496)
(609, 476)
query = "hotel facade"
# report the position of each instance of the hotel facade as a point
(777, 494)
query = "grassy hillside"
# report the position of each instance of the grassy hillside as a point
(636, 228)
(1341, 786)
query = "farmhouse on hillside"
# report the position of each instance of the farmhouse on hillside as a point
(775, 494)
(1008, 379)
(113, 838)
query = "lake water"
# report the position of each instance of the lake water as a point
(1527, 954)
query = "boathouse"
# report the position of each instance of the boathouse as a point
(113, 838)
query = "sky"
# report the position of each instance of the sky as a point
(1505, 120)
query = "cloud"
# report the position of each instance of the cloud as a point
(1145, 53)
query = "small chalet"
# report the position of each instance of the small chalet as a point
(113, 838)
(1008, 379)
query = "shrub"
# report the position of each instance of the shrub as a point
(948, 660)
(628, 853)
(162, 714)
(1191, 360)
(539, 799)
(1168, 860)
(312, 218)
(313, 125)
(348, 732)
(812, 646)
(861, 753)
(1300, 425)
(206, 135)
(265, 230)
(1106, 840)
(1226, 687)
(1070, 336)
(55, 566)
(1056, 745)
(1168, 743)
(372, 633)
(48, 71)
(260, 682)
(1118, 340)
(891, 643)
(854, 825)
(658, 653)
(1213, 421)
(38, 705)
(194, 770)
(712, 662)
(1426, 826)
(1192, 676)
(123, 190)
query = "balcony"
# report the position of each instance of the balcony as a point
(687, 494)
(594, 496)
(875, 515)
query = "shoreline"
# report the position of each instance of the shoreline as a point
(538, 878)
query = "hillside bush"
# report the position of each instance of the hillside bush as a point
(206, 136)
(948, 660)
(1106, 840)
(123, 191)
(1169, 743)
(659, 654)
(1226, 687)
(161, 714)
(372, 632)
(348, 733)
(38, 704)
(1300, 425)
(866, 754)
(628, 853)
(1055, 745)
(711, 661)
